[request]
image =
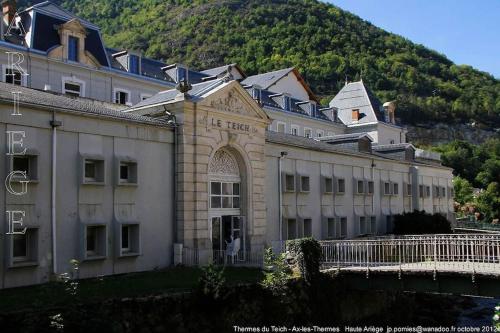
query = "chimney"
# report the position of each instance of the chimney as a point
(355, 114)
(8, 10)
(389, 112)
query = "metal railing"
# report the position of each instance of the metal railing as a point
(468, 224)
(200, 257)
(457, 253)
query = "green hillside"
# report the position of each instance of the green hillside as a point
(324, 42)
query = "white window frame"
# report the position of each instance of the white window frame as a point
(129, 95)
(358, 182)
(369, 191)
(278, 123)
(306, 178)
(318, 132)
(296, 127)
(24, 77)
(308, 129)
(73, 80)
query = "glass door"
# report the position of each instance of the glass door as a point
(216, 233)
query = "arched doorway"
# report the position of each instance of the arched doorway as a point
(226, 202)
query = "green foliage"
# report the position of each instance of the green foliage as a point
(276, 274)
(488, 201)
(463, 190)
(324, 42)
(307, 253)
(420, 222)
(212, 282)
(478, 166)
(496, 318)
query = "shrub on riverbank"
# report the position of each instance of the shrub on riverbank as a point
(420, 222)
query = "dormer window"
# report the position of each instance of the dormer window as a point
(73, 48)
(256, 93)
(313, 109)
(287, 103)
(122, 96)
(133, 64)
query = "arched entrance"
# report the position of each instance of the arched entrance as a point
(227, 203)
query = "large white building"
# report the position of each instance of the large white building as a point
(127, 156)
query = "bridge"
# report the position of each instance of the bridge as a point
(455, 263)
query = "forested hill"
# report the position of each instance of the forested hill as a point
(324, 42)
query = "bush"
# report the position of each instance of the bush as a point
(307, 254)
(276, 273)
(212, 282)
(420, 222)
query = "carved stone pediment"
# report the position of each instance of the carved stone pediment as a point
(230, 103)
(233, 99)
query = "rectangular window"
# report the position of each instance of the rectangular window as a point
(93, 171)
(373, 225)
(72, 89)
(295, 130)
(281, 127)
(291, 229)
(121, 97)
(320, 133)
(343, 228)
(387, 188)
(129, 240)
(13, 76)
(25, 163)
(427, 191)
(328, 185)
(362, 225)
(307, 132)
(125, 239)
(127, 173)
(371, 187)
(73, 48)
(25, 246)
(408, 190)
(307, 227)
(224, 195)
(340, 185)
(443, 191)
(395, 189)
(421, 191)
(95, 243)
(133, 65)
(289, 183)
(330, 225)
(304, 184)
(360, 187)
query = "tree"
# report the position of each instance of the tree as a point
(488, 201)
(463, 190)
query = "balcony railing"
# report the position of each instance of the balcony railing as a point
(463, 253)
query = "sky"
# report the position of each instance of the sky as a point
(466, 31)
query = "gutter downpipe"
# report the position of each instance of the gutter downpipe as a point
(54, 124)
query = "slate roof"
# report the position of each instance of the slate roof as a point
(355, 95)
(217, 71)
(344, 137)
(265, 80)
(65, 103)
(313, 144)
(392, 147)
(169, 95)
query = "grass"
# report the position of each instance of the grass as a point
(172, 280)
